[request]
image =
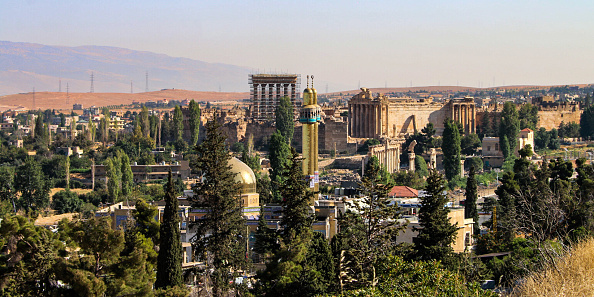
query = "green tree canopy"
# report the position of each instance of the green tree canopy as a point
(451, 149)
(436, 233)
(509, 126)
(169, 261)
(285, 118)
(221, 231)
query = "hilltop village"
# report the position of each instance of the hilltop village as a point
(294, 191)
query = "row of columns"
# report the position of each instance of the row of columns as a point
(388, 156)
(365, 120)
(265, 98)
(465, 113)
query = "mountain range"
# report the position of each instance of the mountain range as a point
(28, 66)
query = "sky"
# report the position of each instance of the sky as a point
(345, 44)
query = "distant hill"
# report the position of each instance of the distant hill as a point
(24, 66)
(61, 100)
(452, 89)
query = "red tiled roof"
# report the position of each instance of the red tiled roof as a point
(526, 130)
(403, 192)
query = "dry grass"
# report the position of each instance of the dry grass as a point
(56, 100)
(570, 275)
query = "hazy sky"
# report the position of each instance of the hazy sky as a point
(344, 43)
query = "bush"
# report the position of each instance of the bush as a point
(397, 277)
(369, 142)
(66, 201)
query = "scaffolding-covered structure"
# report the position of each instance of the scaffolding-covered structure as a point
(266, 91)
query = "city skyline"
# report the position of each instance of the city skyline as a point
(346, 44)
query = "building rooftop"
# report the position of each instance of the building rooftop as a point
(403, 192)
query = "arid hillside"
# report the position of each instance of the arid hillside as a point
(449, 89)
(61, 100)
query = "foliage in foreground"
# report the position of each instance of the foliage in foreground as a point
(570, 275)
(400, 278)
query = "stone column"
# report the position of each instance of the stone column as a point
(462, 159)
(355, 120)
(411, 162)
(465, 118)
(350, 119)
(432, 158)
(378, 120)
(473, 118)
(368, 121)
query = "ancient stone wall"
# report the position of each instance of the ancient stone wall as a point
(550, 114)
(405, 116)
(552, 118)
(333, 131)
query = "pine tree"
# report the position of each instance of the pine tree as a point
(470, 210)
(377, 227)
(451, 149)
(194, 121)
(221, 231)
(436, 233)
(299, 267)
(266, 238)
(296, 200)
(169, 272)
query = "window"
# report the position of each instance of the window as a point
(496, 146)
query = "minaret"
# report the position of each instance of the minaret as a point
(310, 117)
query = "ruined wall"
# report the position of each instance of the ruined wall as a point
(333, 131)
(402, 117)
(552, 118)
(549, 116)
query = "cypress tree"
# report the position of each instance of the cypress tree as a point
(178, 124)
(285, 118)
(510, 125)
(436, 233)
(451, 149)
(127, 176)
(280, 152)
(470, 210)
(169, 261)
(221, 231)
(504, 146)
(194, 121)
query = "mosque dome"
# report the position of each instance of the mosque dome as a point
(244, 175)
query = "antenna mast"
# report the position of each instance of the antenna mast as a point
(92, 83)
